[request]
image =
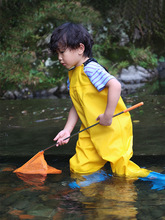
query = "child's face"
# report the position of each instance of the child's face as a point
(70, 57)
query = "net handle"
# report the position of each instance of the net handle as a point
(126, 110)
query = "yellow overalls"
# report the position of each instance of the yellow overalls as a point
(100, 144)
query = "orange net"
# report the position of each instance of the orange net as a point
(37, 165)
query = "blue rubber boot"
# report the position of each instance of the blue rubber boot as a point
(96, 177)
(157, 179)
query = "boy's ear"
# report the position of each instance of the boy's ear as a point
(81, 48)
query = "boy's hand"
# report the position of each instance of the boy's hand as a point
(104, 120)
(61, 136)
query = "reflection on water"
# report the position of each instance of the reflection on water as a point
(112, 198)
(28, 126)
(32, 179)
(115, 198)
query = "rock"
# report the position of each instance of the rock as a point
(9, 95)
(44, 41)
(130, 88)
(161, 70)
(135, 77)
(63, 88)
(124, 39)
(130, 76)
(49, 62)
(140, 68)
(53, 91)
(137, 35)
(44, 93)
(17, 94)
(26, 93)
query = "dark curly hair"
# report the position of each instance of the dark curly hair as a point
(70, 35)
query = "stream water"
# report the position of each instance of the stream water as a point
(28, 126)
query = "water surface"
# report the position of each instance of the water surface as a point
(28, 126)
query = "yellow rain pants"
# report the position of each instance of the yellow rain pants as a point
(100, 144)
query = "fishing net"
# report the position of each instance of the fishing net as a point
(37, 165)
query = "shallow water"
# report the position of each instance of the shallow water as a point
(28, 126)
(51, 197)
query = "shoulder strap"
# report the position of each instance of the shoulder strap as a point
(89, 60)
(92, 59)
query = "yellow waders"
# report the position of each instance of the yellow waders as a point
(100, 144)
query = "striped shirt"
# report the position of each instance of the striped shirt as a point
(97, 75)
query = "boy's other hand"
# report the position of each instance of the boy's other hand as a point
(104, 120)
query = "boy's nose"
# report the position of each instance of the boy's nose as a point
(59, 57)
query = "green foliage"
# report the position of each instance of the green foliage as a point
(117, 67)
(161, 59)
(143, 57)
(39, 19)
(20, 73)
(26, 23)
(30, 22)
(118, 58)
(113, 68)
(104, 62)
(145, 18)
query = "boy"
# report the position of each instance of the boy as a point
(95, 96)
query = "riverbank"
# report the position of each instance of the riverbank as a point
(131, 79)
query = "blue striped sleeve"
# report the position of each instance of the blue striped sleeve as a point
(97, 75)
